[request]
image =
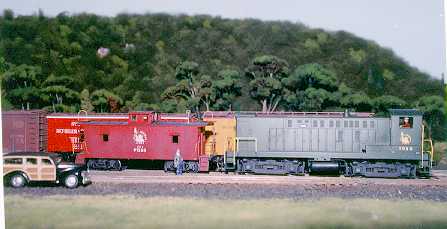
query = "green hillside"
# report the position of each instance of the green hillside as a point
(172, 63)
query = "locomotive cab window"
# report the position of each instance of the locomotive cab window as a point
(406, 122)
(105, 137)
(175, 139)
(133, 118)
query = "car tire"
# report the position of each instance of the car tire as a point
(17, 180)
(71, 181)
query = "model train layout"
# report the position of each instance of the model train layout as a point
(351, 144)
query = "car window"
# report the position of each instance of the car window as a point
(46, 162)
(16, 161)
(31, 161)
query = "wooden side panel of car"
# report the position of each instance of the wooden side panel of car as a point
(47, 172)
(32, 170)
(9, 168)
(35, 172)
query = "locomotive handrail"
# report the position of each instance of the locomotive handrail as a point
(431, 151)
(423, 151)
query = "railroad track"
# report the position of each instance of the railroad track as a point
(156, 176)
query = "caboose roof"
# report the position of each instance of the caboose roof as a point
(412, 112)
(181, 123)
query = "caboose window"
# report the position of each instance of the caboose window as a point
(289, 123)
(321, 123)
(133, 118)
(331, 123)
(175, 139)
(105, 137)
(371, 124)
(406, 122)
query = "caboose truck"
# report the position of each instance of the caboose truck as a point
(144, 136)
(350, 145)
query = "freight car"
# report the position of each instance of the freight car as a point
(38, 131)
(349, 145)
(63, 131)
(24, 131)
(144, 136)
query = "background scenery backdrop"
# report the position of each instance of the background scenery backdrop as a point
(67, 61)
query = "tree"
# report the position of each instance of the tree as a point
(105, 101)
(86, 103)
(59, 95)
(383, 103)
(434, 115)
(310, 88)
(358, 101)
(226, 89)
(265, 74)
(21, 85)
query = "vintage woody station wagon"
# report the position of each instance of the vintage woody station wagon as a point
(22, 168)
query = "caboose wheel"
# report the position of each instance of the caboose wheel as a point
(116, 165)
(194, 167)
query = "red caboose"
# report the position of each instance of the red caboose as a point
(144, 136)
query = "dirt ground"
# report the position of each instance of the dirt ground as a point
(150, 183)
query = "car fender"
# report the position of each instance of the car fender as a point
(11, 173)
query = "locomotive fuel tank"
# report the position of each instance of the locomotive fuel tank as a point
(324, 167)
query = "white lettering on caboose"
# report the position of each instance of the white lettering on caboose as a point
(66, 131)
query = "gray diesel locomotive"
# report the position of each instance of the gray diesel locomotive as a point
(349, 145)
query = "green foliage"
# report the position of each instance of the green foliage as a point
(385, 102)
(48, 62)
(86, 103)
(434, 115)
(265, 74)
(105, 101)
(310, 88)
(439, 151)
(201, 90)
(357, 101)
